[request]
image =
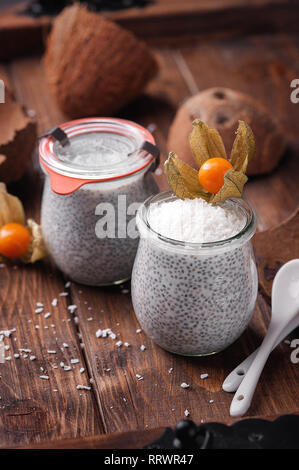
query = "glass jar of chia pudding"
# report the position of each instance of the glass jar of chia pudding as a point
(191, 298)
(98, 172)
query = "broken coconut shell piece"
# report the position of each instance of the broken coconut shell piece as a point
(8, 91)
(221, 109)
(206, 143)
(17, 140)
(274, 247)
(11, 210)
(94, 66)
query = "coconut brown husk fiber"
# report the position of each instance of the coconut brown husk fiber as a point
(17, 136)
(222, 108)
(274, 247)
(93, 66)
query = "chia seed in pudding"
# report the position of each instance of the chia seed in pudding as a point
(85, 251)
(194, 297)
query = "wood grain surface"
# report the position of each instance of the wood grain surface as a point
(30, 411)
(161, 22)
(126, 440)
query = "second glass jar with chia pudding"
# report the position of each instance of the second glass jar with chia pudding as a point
(97, 173)
(194, 298)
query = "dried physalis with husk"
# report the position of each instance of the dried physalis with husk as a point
(18, 240)
(218, 177)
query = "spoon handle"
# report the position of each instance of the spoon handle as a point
(233, 380)
(243, 396)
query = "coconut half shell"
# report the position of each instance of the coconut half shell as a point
(222, 108)
(17, 136)
(93, 66)
(274, 247)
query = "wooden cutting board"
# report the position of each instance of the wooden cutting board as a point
(163, 21)
(32, 410)
(127, 440)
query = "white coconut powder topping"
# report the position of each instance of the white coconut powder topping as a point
(196, 221)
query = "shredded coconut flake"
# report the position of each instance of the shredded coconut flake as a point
(83, 387)
(196, 221)
(184, 385)
(106, 333)
(7, 333)
(72, 308)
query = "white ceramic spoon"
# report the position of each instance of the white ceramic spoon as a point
(233, 380)
(285, 307)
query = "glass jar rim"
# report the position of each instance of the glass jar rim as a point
(244, 235)
(66, 177)
(121, 127)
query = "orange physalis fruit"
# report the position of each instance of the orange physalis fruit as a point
(211, 174)
(14, 240)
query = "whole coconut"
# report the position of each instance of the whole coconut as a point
(93, 66)
(222, 108)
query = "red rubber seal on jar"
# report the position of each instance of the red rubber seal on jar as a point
(65, 184)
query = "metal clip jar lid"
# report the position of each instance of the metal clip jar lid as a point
(95, 150)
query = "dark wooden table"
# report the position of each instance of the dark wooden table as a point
(33, 410)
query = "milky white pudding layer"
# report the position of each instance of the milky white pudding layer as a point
(193, 300)
(195, 220)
